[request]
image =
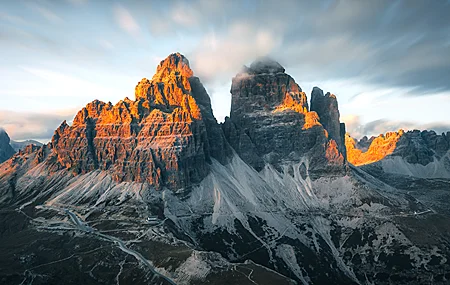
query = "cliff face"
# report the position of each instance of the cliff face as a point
(369, 151)
(326, 106)
(6, 151)
(421, 147)
(163, 137)
(270, 121)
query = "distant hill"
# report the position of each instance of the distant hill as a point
(18, 145)
(6, 151)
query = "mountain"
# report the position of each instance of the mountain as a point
(414, 153)
(6, 151)
(155, 191)
(269, 112)
(20, 145)
(166, 137)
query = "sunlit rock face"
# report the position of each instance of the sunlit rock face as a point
(165, 137)
(270, 121)
(415, 147)
(6, 151)
(369, 151)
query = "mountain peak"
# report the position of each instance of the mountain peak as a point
(175, 64)
(266, 65)
(4, 136)
(162, 138)
(270, 122)
(169, 84)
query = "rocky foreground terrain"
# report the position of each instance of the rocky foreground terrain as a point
(155, 191)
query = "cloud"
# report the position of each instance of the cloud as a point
(185, 15)
(374, 128)
(13, 19)
(58, 84)
(106, 45)
(45, 12)
(38, 126)
(401, 44)
(77, 2)
(222, 55)
(125, 20)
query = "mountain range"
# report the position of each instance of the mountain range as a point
(155, 191)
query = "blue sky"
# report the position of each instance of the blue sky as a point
(387, 61)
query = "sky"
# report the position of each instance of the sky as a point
(388, 62)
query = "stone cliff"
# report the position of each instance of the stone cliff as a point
(165, 137)
(368, 151)
(326, 106)
(270, 121)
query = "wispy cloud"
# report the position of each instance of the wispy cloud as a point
(126, 21)
(222, 55)
(185, 15)
(13, 19)
(38, 126)
(357, 129)
(59, 85)
(45, 12)
(107, 45)
(77, 2)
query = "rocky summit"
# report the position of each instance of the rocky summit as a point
(165, 137)
(153, 190)
(270, 121)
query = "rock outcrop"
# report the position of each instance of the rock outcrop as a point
(270, 121)
(326, 106)
(6, 151)
(368, 151)
(421, 147)
(166, 137)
